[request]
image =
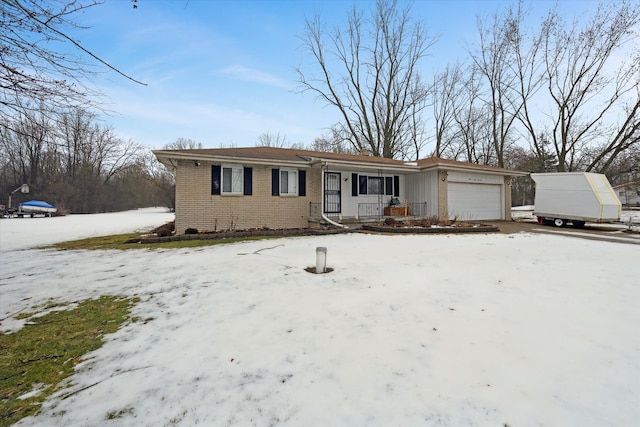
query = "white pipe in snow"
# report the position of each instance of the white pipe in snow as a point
(321, 260)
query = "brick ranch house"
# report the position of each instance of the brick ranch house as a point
(263, 187)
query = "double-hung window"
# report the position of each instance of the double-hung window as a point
(231, 179)
(289, 182)
(375, 185)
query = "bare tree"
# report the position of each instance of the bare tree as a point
(369, 72)
(91, 154)
(268, 139)
(183, 144)
(588, 88)
(472, 125)
(25, 143)
(446, 95)
(492, 60)
(33, 74)
(333, 142)
(73, 160)
(159, 176)
(625, 138)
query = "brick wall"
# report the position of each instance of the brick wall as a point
(197, 208)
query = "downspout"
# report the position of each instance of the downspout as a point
(330, 221)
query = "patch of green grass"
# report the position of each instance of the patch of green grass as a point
(119, 242)
(46, 350)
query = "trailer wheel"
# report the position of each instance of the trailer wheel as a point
(578, 224)
(558, 222)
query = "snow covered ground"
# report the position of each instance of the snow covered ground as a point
(519, 330)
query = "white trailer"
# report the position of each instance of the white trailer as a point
(575, 197)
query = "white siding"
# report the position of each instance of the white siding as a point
(423, 188)
(350, 203)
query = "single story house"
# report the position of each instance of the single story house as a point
(265, 187)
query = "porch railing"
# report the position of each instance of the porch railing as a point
(370, 210)
(418, 209)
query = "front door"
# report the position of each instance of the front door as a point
(332, 196)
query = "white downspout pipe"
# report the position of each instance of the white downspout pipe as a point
(330, 221)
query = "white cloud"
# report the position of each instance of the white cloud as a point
(256, 76)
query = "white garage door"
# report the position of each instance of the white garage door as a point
(475, 201)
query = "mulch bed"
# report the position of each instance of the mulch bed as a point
(428, 225)
(434, 229)
(244, 233)
(390, 225)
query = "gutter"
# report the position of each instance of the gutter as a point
(326, 218)
(230, 159)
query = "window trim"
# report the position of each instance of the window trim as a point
(295, 182)
(233, 167)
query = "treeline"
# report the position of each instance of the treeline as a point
(544, 94)
(77, 163)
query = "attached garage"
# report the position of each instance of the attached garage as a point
(475, 196)
(475, 201)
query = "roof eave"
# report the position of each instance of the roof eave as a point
(478, 168)
(229, 159)
(168, 157)
(364, 165)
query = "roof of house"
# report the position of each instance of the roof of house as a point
(630, 184)
(274, 155)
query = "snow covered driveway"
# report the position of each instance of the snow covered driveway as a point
(523, 329)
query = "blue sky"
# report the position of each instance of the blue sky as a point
(223, 72)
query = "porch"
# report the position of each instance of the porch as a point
(368, 212)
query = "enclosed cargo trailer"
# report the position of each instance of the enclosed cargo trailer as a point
(575, 197)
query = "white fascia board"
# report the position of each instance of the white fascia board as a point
(232, 159)
(360, 166)
(460, 168)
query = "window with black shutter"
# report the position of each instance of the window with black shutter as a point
(388, 186)
(362, 184)
(275, 182)
(302, 183)
(354, 184)
(248, 181)
(215, 179)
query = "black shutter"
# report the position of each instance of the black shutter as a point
(248, 181)
(354, 184)
(363, 184)
(388, 184)
(396, 186)
(275, 182)
(215, 179)
(302, 183)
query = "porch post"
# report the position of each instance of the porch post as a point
(443, 198)
(507, 198)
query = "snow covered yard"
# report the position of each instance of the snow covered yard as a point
(492, 329)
